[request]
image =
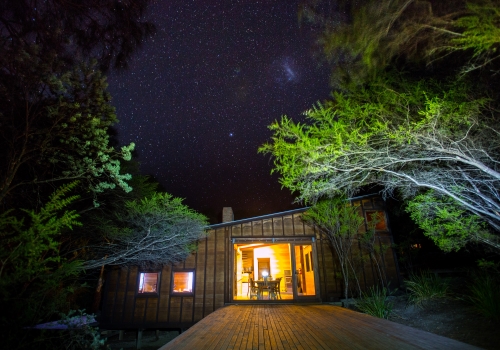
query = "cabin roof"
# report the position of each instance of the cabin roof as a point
(282, 213)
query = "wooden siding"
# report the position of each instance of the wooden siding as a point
(213, 264)
(303, 327)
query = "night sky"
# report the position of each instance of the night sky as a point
(198, 97)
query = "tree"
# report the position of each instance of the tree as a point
(402, 135)
(55, 128)
(362, 39)
(340, 222)
(448, 224)
(55, 118)
(107, 30)
(154, 231)
(35, 279)
(50, 85)
(30, 248)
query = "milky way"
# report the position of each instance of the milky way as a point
(199, 95)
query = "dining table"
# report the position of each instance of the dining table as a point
(266, 284)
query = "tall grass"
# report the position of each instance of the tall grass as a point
(375, 302)
(485, 296)
(424, 287)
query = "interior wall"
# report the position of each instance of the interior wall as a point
(279, 255)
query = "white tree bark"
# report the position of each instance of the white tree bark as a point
(464, 168)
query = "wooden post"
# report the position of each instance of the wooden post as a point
(139, 339)
(98, 291)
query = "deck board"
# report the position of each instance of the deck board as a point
(303, 327)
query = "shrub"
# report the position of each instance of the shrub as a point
(74, 331)
(425, 287)
(375, 302)
(485, 296)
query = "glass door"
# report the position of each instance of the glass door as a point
(304, 280)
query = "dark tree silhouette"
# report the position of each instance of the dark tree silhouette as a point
(108, 30)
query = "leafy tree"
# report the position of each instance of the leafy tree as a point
(362, 39)
(30, 249)
(35, 279)
(402, 135)
(448, 224)
(153, 231)
(55, 128)
(54, 111)
(55, 118)
(340, 222)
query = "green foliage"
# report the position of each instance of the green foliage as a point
(55, 125)
(55, 120)
(447, 223)
(30, 245)
(35, 278)
(489, 266)
(82, 96)
(337, 218)
(152, 231)
(375, 302)
(481, 28)
(340, 222)
(425, 287)
(372, 36)
(400, 134)
(353, 128)
(81, 336)
(484, 293)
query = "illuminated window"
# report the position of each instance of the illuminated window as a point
(183, 281)
(148, 282)
(379, 216)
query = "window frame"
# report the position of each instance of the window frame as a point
(370, 212)
(158, 280)
(174, 293)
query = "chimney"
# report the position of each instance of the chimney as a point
(227, 214)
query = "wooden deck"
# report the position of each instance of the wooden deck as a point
(303, 327)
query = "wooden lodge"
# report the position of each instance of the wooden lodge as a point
(277, 247)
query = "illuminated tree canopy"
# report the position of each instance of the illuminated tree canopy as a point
(400, 134)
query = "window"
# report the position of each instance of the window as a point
(379, 217)
(183, 282)
(148, 282)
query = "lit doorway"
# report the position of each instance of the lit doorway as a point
(287, 268)
(305, 281)
(259, 263)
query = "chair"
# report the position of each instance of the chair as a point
(275, 288)
(253, 289)
(265, 286)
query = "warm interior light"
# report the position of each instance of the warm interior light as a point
(183, 282)
(265, 274)
(148, 282)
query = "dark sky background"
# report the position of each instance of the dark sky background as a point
(198, 97)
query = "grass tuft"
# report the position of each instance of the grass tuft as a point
(424, 287)
(375, 302)
(485, 296)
